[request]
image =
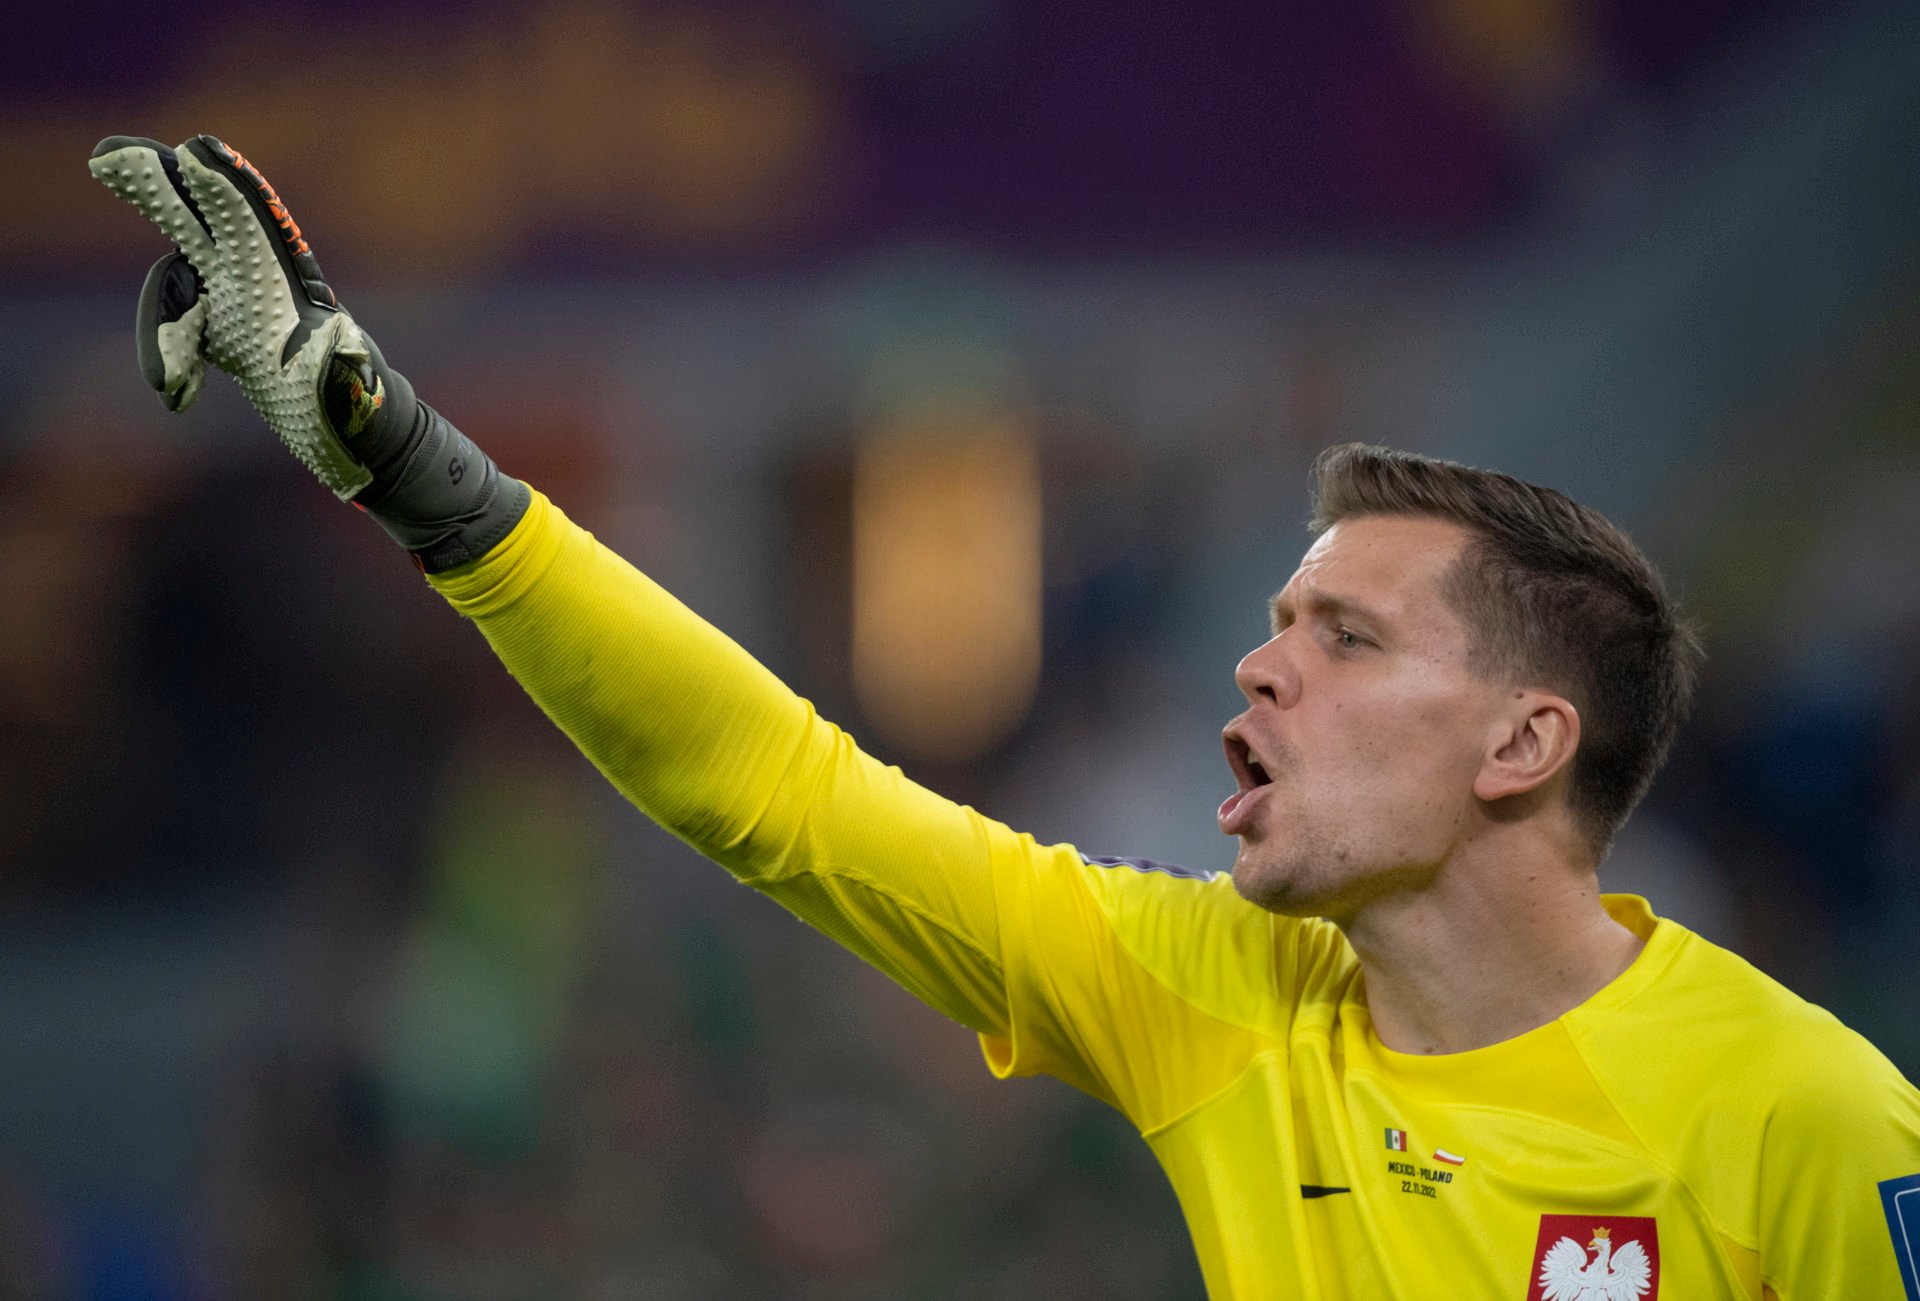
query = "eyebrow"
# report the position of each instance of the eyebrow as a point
(1321, 603)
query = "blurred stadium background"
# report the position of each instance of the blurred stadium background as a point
(963, 358)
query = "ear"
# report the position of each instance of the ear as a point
(1534, 739)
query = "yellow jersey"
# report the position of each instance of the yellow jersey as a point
(1693, 1130)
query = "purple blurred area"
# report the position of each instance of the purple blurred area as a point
(768, 133)
(330, 970)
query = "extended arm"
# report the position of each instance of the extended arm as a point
(716, 749)
(683, 721)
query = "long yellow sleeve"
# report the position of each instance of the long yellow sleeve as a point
(711, 745)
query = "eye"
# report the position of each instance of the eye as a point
(1348, 639)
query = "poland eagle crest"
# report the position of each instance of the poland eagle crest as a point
(1621, 1273)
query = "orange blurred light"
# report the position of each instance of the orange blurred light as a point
(946, 582)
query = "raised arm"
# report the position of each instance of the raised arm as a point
(685, 723)
(713, 747)
(1080, 968)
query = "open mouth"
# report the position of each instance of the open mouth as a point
(1247, 769)
(1251, 777)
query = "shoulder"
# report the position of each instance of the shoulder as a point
(1198, 937)
(1709, 1014)
(1741, 1085)
(1794, 1051)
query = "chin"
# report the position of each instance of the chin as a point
(1314, 875)
(1325, 879)
(1290, 887)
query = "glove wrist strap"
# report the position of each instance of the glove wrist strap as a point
(433, 491)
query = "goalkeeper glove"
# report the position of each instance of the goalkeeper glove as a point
(243, 291)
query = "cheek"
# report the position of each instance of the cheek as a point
(1416, 748)
(1399, 796)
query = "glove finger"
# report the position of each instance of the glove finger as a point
(270, 293)
(168, 330)
(147, 174)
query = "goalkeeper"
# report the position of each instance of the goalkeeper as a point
(1404, 1049)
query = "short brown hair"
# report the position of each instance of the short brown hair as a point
(1553, 595)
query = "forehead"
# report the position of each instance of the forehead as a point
(1392, 563)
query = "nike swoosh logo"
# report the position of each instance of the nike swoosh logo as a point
(1320, 1190)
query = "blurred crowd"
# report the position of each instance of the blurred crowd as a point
(328, 969)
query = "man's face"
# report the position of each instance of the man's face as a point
(1357, 753)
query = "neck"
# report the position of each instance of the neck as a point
(1485, 952)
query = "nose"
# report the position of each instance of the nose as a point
(1267, 673)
